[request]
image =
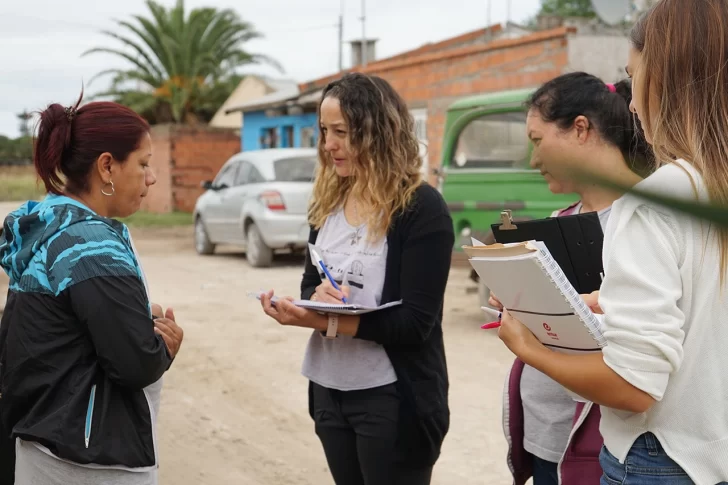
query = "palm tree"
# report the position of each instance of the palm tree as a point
(178, 62)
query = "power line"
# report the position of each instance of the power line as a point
(304, 29)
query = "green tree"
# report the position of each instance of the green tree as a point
(181, 64)
(568, 8)
(14, 150)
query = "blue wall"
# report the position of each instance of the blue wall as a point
(256, 122)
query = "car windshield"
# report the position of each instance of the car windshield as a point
(495, 141)
(294, 169)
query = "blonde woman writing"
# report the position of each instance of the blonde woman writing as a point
(378, 390)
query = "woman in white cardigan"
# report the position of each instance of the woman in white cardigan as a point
(661, 379)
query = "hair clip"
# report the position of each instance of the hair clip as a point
(70, 113)
(612, 88)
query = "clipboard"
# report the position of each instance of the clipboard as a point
(574, 241)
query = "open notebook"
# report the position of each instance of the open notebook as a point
(534, 289)
(342, 309)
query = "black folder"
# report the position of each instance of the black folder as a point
(575, 242)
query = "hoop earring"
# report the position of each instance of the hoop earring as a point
(113, 190)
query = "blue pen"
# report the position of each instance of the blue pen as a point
(320, 262)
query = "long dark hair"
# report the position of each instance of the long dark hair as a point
(566, 97)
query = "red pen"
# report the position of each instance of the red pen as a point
(494, 314)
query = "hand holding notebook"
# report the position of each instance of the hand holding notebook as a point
(534, 289)
(339, 309)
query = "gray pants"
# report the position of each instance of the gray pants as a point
(35, 467)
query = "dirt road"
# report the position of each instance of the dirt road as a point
(234, 405)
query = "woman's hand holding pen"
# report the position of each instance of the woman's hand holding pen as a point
(326, 293)
(495, 302)
(517, 337)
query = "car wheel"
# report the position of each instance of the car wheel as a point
(258, 254)
(202, 242)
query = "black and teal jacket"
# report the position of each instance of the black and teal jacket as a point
(78, 352)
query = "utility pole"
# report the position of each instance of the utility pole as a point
(489, 19)
(364, 45)
(24, 117)
(341, 36)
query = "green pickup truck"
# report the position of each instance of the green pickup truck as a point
(485, 168)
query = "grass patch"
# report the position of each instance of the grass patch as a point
(150, 219)
(19, 186)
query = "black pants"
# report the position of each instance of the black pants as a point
(7, 457)
(358, 430)
(545, 472)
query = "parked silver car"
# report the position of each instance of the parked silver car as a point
(258, 200)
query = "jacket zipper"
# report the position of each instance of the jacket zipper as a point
(90, 415)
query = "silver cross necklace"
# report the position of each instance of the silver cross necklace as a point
(356, 235)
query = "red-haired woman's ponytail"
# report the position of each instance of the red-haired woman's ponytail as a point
(70, 140)
(54, 139)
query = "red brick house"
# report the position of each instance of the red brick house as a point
(430, 78)
(433, 76)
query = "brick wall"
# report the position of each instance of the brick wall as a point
(448, 77)
(436, 79)
(159, 197)
(183, 157)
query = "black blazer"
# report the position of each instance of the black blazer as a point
(420, 243)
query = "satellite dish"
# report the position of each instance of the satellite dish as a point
(612, 12)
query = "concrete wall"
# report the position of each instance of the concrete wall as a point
(255, 122)
(183, 157)
(250, 88)
(601, 55)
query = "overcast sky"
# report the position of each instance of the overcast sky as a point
(41, 41)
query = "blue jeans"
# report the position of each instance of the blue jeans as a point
(646, 464)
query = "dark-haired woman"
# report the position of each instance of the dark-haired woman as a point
(574, 119)
(378, 382)
(661, 378)
(82, 350)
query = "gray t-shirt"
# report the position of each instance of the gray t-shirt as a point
(548, 410)
(346, 363)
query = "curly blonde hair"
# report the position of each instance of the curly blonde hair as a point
(384, 149)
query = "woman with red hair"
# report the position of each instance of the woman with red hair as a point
(82, 349)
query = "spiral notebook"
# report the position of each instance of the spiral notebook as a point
(574, 241)
(338, 309)
(534, 289)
